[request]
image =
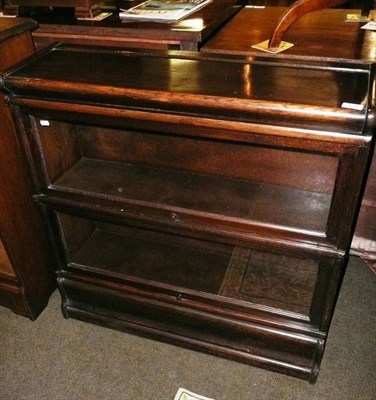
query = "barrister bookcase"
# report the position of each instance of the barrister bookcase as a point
(202, 200)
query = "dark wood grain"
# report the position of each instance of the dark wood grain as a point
(293, 13)
(6, 268)
(188, 34)
(241, 274)
(82, 8)
(26, 273)
(224, 336)
(343, 41)
(158, 81)
(62, 148)
(211, 157)
(213, 216)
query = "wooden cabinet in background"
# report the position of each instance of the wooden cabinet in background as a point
(81, 8)
(188, 34)
(197, 199)
(26, 272)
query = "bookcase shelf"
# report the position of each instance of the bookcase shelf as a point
(183, 191)
(199, 187)
(185, 264)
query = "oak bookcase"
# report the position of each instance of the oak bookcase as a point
(203, 200)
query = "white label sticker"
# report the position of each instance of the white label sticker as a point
(353, 106)
(44, 122)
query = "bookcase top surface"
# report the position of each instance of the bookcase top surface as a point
(194, 83)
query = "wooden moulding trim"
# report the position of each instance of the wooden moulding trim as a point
(211, 348)
(298, 341)
(7, 275)
(290, 325)
(63, 203)
(93, 38)
(164, 117)
(6, 269)
(75, 280)
(7, 279)
(12, 296)
(17, 27)
(10, 286)
(262, 107)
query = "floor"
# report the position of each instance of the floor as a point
(57, 359)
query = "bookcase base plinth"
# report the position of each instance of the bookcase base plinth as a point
(278, 350)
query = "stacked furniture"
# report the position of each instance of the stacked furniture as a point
(203, 200)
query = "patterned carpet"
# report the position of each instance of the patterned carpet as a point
(270, 279)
